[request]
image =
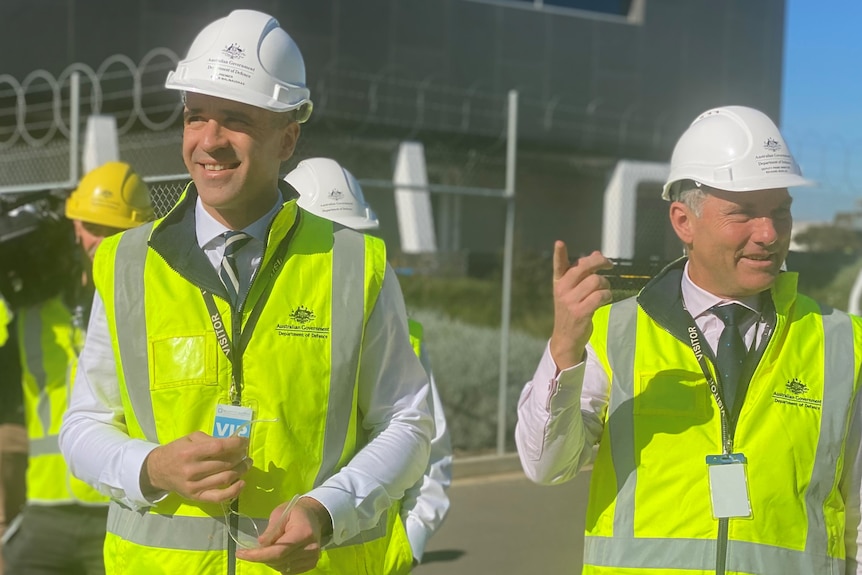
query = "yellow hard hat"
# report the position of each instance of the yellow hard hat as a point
(112, 195)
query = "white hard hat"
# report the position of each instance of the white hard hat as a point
(246, 57)
(734, 148)
(330, 191)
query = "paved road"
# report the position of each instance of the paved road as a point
(503, 524)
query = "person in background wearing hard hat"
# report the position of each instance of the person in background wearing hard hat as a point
(328, 190)
(110, 199)
(13, 435)
(5, 320)
(724, 403)
(62, 527)
(247, 393)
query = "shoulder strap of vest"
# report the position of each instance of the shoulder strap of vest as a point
(129, 263)
(346, 330)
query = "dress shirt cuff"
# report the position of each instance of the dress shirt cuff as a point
(134, 456)
(341, 506)
(565, 385)
(417, 535)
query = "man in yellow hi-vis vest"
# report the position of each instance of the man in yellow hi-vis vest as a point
(5, 320)
(330, 191)
(62, 527)
(247, 393)
(724, 404)
(13, 435)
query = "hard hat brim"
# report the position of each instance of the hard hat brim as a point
(774, 181)
(220, 90)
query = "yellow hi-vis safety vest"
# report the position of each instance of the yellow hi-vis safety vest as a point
(300, 367)
(416, 335)
(49, 344)
(649, 509)
(5, 319)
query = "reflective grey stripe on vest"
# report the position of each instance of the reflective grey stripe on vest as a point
(35, 354)
(839, 375)
(699, 555)
(348, 318)
(131, 323)
(193, 533)
(45, 445)
(622, 327)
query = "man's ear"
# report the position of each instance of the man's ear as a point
(288, 140)
(79, 230)
(683, 221)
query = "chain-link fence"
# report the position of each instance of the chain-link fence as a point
(467, 170)
(165, 194)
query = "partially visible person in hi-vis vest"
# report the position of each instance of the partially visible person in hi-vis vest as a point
(724, 403)
(13, 434)
(854, 305)
(62, 526)
(247, 394)
(330, 191)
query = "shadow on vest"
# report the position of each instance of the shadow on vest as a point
(670, 402)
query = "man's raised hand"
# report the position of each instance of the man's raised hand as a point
(578, 292)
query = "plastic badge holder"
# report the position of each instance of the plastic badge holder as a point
(248, 532)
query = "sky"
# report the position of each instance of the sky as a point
(821, 116)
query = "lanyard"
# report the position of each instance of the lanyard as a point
(727, 426)
(714, 387)
(233, 348)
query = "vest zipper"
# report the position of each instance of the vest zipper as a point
(721, 547)
(231, 544)
(236, 384)
(723, 524)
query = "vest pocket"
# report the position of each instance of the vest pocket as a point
(181, 361)
(672, 393)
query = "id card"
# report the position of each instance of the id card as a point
(232, 418)
(728, 486)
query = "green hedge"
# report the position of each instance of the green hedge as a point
(465, 359)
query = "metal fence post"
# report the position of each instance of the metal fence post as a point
(508, 249)
(75, 127)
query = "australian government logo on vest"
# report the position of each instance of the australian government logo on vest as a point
(795, 394)
(300, 325)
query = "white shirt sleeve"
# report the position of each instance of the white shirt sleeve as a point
(560, 418)
(426, 504)
(93, 437)
(393, 391)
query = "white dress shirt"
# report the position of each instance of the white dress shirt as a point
(426, 504)
(559, 422)
(392, 396)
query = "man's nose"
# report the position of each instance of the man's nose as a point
(213, 136)
(765, 232)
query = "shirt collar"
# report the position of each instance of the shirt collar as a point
(208, 229)
(698, 301)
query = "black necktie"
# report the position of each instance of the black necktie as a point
(228, 273)
(731, 351)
